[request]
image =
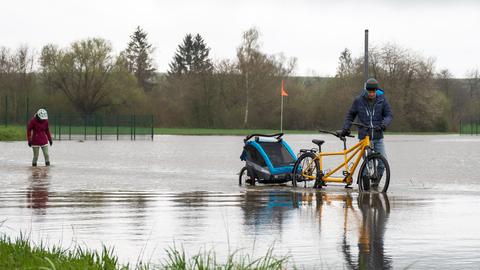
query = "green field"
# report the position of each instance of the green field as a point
(17, 133)
(223, 132)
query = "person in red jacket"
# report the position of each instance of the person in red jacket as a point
(38, 136)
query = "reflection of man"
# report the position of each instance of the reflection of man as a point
(375, 210)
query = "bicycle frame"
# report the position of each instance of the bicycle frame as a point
(348, 154)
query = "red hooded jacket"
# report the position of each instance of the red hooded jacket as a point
(38, 133)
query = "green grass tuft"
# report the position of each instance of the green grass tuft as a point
(205, 260)
(21, 253)
(13, 133)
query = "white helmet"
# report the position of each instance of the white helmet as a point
(42, 114)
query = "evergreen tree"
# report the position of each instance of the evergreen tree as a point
(138, 58)
(201, 60)
(192, 57)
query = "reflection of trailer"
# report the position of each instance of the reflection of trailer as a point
(268, 160)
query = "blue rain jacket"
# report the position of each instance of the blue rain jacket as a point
(379, 114)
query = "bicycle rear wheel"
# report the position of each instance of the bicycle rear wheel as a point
(374, 174)
(305, 169)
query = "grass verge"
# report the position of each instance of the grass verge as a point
(22, 254)
(12, 133)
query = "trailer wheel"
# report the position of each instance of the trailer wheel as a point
(245, 177)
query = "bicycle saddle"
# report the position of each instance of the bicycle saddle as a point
(318, 142)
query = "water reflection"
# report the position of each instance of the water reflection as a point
(191, 212)
(268, 208)
(375, 211)
(360, 220)
(37, 191)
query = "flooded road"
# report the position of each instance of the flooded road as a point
(142, 197)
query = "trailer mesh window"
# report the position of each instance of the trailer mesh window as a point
(278, 154)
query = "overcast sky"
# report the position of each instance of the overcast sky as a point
(313, 31)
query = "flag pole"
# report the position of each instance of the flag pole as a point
(282, 93)
(281, 113)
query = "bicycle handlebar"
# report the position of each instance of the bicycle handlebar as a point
(277, 135)
(336, 134)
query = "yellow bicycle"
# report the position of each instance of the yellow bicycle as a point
(374, 173)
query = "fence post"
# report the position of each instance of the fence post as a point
(117, 126)
(95, 123)
(152, 125)
(85, 126)
(471, 127)
(134, 128)
(55, 126)
(26, 111)
(60, 127)
(6, 110)
(70, 127)
(131, 127)
(101, 128)
(460, 127)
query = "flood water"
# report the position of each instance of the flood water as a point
(142, 197)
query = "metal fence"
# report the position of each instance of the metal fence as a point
(65, 126)
(13, 110)
(100, 127)
(469, 127)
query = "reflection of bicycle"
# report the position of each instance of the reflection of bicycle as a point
(375, 212)
(374, 173)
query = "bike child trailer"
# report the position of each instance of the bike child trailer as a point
(268, 160)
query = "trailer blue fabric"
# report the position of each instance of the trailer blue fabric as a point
(274, 170)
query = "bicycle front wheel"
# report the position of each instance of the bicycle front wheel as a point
(305, 169)
(374, 174)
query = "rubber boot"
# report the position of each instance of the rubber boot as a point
(34, 164)
(47, 163)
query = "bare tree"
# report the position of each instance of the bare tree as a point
(247, 54)
(17, 78)
(473, 78)
(346, 67)
(81, 72)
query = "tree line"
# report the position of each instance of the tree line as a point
(88, 78)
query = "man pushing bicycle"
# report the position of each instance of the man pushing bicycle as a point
(373, 110)
(374, 115)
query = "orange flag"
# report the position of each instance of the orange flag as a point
(284, 93)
